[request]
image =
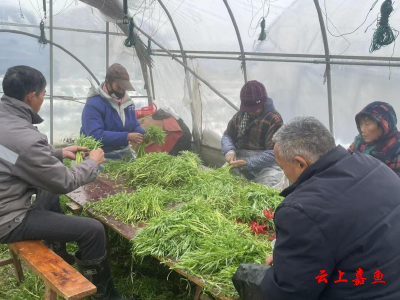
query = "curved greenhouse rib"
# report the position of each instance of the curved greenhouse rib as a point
(239, 39)
(328, 66)
(175, 30)
(58, 46)
(189, 69)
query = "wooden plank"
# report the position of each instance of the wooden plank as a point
(49, 294)
(74, 208)
(17, 266)
(58, 275)
(7, 261)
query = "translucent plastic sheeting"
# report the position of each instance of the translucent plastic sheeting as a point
(353, 88)
(292, 26)
(169, 81)
(128, 58)
(346, 16)
(72, 14)
(296, 89)
(151, 17)
(75, 14)
(73, 79)
(67, 120)
(23, 50)
(227, 77)
(202, 25)
(90, 48)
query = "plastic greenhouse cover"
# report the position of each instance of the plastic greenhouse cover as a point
(292, 27)
(70, 78)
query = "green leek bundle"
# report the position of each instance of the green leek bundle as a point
(153, 134)
(88, 142)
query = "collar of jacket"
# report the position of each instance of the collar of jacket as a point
(98, 91)
(21, 109)
(325, 162)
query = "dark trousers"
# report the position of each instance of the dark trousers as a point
(45, 221)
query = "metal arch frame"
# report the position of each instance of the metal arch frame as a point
(58, 46)
(239, 39)
(187, 78)
(327, 75)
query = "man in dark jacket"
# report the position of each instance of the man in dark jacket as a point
(32, 175)
(338, 228)
(109, 115)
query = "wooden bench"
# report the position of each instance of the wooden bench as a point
(60, 278)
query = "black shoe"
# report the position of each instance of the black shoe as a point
(98, 272)
(60, 249)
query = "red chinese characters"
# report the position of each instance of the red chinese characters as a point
(321, 276)
(359, 279)
(378, 277)
(340, 277)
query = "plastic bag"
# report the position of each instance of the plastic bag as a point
(247, 281)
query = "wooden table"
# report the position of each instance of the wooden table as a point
(103, 188)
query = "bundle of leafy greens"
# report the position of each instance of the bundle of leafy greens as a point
(153, 134)
(88, 142)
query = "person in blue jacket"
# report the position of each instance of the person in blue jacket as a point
(109, 115)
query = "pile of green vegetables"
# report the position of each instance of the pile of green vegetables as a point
(208, 233)
(86, 141)
(153, 134)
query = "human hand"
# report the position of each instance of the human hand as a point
(270, 260)
(70, 152)
(230, 157)
(135, 137)
(238, 163)
(97, 155)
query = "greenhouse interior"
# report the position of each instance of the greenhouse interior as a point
(326, 59)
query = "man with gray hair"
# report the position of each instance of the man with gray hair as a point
(338, 228)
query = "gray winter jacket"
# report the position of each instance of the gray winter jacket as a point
(28, 163)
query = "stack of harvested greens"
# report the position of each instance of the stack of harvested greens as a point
(153, 134)
(86, 141)
(131, 208)
(223, 220)
(157, 169)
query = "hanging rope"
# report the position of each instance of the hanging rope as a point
(384, 35)
(44, 8)
(130, 41)
(263, 34)
(42, 39)
(126, 18)
(149, 52)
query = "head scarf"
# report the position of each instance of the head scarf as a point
(387, 147)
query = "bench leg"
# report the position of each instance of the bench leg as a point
(49, 294)
(107, 241)
(17, 267)
(198, 292)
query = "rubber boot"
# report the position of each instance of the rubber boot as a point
(60, 249)
(98, 272)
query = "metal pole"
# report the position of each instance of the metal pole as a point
(51, 74)
(345, 63)
(195, 130)
(189, 69)
(107, 45)
(311, 56)
(152, 83)
(58, 46)
(60, 28)
(328, 66)
(239, 39)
